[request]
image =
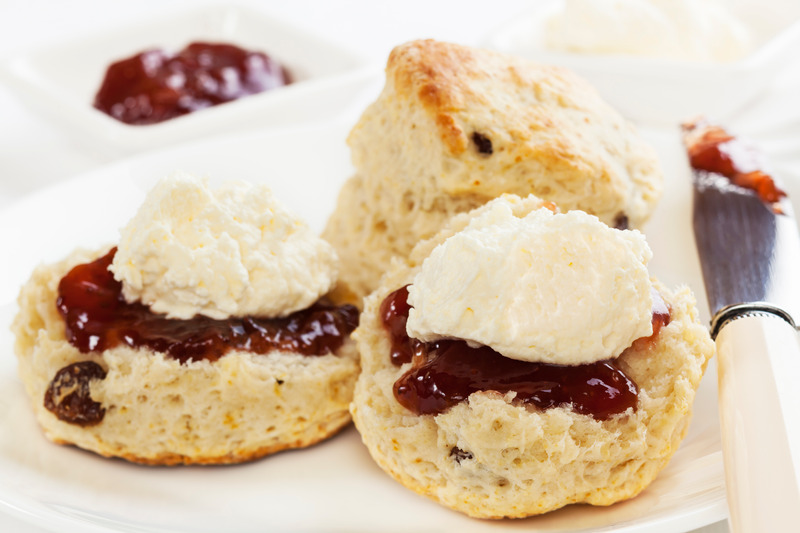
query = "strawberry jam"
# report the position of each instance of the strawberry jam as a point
(154, 86)
(394, 314)
(446, 372)
(97, 318)
(712, 149)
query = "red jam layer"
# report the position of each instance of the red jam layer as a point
(97, 318)
(154, 86)
(446, 372)
(712, 149)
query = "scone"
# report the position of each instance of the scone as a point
(242, 358)
(495, 385)
(455, 127)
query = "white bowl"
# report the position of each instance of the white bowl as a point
(669, 91)
(61, 79)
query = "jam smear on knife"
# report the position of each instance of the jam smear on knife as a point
(712, 149)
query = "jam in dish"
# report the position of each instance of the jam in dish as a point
(446, 372)
(712, 149)
(97, 318)
(154, 86)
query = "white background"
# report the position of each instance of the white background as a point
(33, 154)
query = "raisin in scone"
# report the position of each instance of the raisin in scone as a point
(194, 342)
(455, 127)
(497, 384)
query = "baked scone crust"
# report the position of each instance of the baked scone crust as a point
(160, 412)
(417, 162)
(490, 457)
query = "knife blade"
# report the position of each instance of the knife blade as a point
(749, 250)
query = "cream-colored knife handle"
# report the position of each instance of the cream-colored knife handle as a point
(758, 358)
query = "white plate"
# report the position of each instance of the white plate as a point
(333, 486)
(60, 79)
(669, 91)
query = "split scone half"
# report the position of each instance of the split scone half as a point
(233, 389)
(483, 400)
(455, 127)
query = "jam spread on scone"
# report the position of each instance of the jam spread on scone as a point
(394, 315)
(154, 86)
(530, 355)
(205, 336)
(446, 372)
(98, 318)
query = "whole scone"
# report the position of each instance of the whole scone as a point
(493, 456)
(455, 127)
(203, 337)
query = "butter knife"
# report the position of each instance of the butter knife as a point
(749, 250)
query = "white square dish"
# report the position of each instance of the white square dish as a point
(60, 80)
(668, 91)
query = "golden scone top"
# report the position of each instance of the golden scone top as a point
(455, 127)
(477, 122)
(448, 80)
